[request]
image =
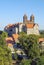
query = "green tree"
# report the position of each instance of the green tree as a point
(25, 62)
(31, 48)
(30, 45)
(5, 53)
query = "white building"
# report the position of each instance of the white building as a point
(27, 26)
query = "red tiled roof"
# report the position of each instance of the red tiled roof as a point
(41, 39)
(9, 25)
(15, 36)
(30, 25)
(9, 39)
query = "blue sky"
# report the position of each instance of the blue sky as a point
(12, 11)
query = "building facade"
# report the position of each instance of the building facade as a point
(28, 26)
(13, 30)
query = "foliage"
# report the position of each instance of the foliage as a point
(38, 61)
(42, 33)
(42, 60)
(5, 53)
(30, 45)
(25, 62)
(2, 38)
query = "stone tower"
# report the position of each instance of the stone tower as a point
(32, 18)
(25, 19)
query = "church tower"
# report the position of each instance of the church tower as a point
(32, 18)
(25, 19)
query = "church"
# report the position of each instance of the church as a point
(13, 30)
(27, 26)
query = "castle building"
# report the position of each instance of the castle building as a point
(13, 30)
(28, 26)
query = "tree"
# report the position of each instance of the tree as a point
(38, 61)
(25, 62)
(30, 45)
(31, 48)
(2, 38)
(5, 53)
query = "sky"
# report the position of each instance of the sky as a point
(12, 11)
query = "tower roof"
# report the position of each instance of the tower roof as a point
(25, 16)
(32, 15)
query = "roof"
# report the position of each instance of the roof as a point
(10, 44)
(41, 39)
(32, 16)
(15, 36)
(30, 25)
(9, 39)
(9, 25)
(25, 16)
